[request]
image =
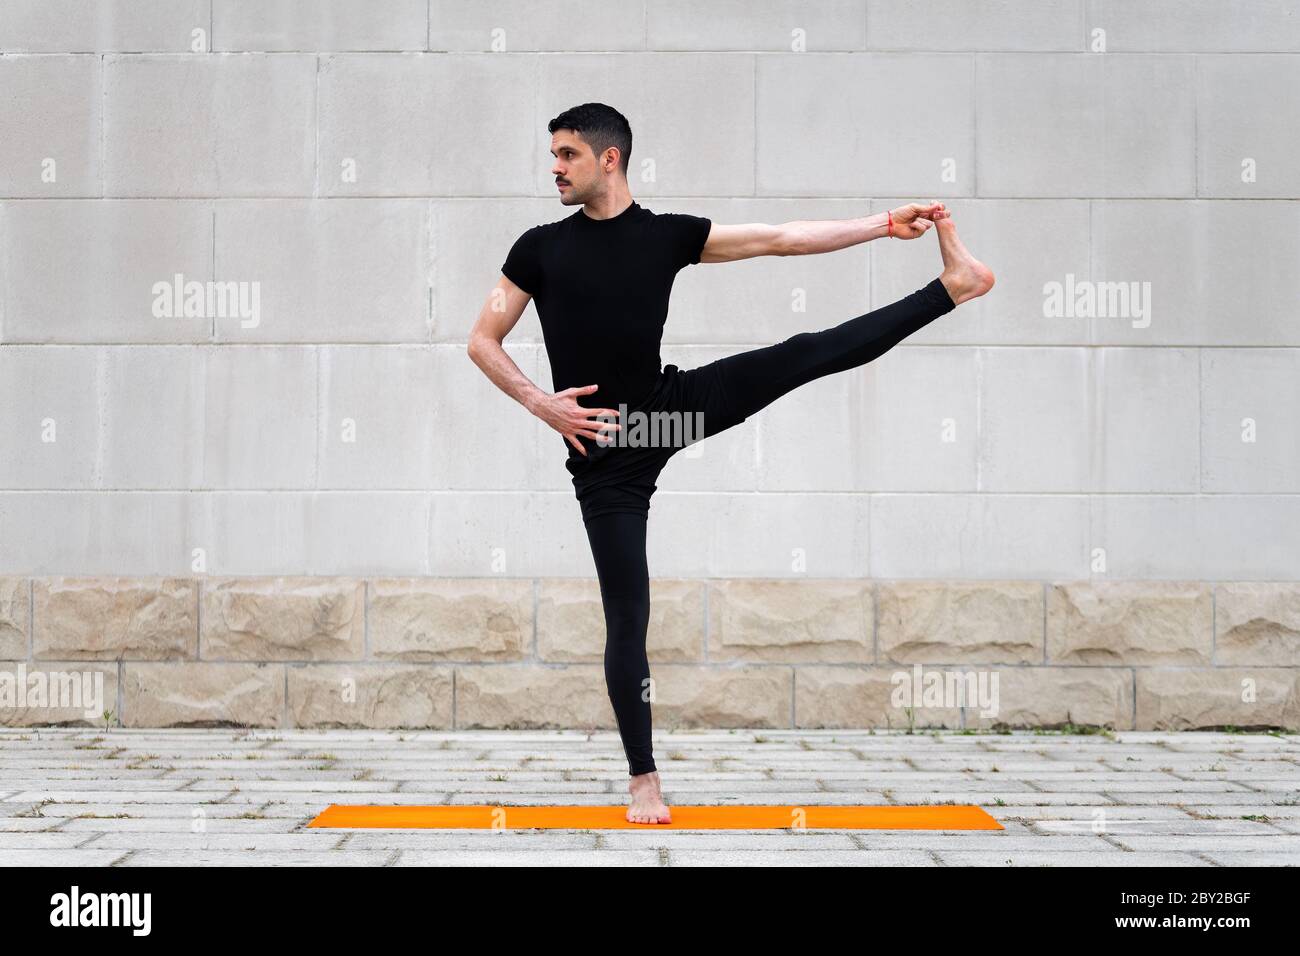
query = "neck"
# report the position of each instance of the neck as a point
(609, 206)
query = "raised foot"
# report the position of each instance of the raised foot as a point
(964, 276)
(647, 800)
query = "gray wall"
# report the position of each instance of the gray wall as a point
(1159, 442)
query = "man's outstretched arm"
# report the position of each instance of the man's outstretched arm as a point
(804, 237)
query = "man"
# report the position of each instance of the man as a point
(601, 279)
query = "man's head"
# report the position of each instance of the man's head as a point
(591, 144)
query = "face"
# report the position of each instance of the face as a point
(578, 175)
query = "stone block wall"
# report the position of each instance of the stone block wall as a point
(1086, 483)
(526, 653)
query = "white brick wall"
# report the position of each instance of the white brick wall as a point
(208, 138)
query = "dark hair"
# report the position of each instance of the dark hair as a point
(601, 127)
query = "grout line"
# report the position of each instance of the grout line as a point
(822, 198)
(1092, 268)
(975, 125)
(198, 618)
(708, 586)
(212, 325)
(315, 482)
(315, 191)
(1214, 624)
(701, 51)
(431, 274)
(1046, 595)
(1133, 685)
(979, 420)
(1095, 419)
(875, 622)
(794, 712)
(1200, 420)
(1196, 128)
(101, 416)
(103, 116)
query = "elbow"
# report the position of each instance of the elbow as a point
(475, 348)
(479, 343)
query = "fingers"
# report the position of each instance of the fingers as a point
(936, 210)
(583, 426)
(602, 412)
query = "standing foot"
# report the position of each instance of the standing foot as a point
(964, 276)
(647, 800)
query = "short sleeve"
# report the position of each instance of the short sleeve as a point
(523, 265)
(687, 235)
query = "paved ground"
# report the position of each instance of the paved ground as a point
(227, 797)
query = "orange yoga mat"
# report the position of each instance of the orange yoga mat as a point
(944, 817)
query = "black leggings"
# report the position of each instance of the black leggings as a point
(615, 500)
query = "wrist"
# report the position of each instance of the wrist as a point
(882, 226)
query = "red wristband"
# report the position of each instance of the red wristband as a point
(891, 222)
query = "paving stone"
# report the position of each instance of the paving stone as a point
(726, 839)
(255, 858)
(492, 841)
(63, 857)
(87, 797)
(1254, 858)
(529, 858)
(10, 842)
(167, 825)
(1055, 858)
(1126, 828)
(1205, 842)
(801, 858)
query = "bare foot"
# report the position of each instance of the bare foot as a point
(647, 800)
(964, 276)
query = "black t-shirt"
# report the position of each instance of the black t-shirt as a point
(601, 287)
